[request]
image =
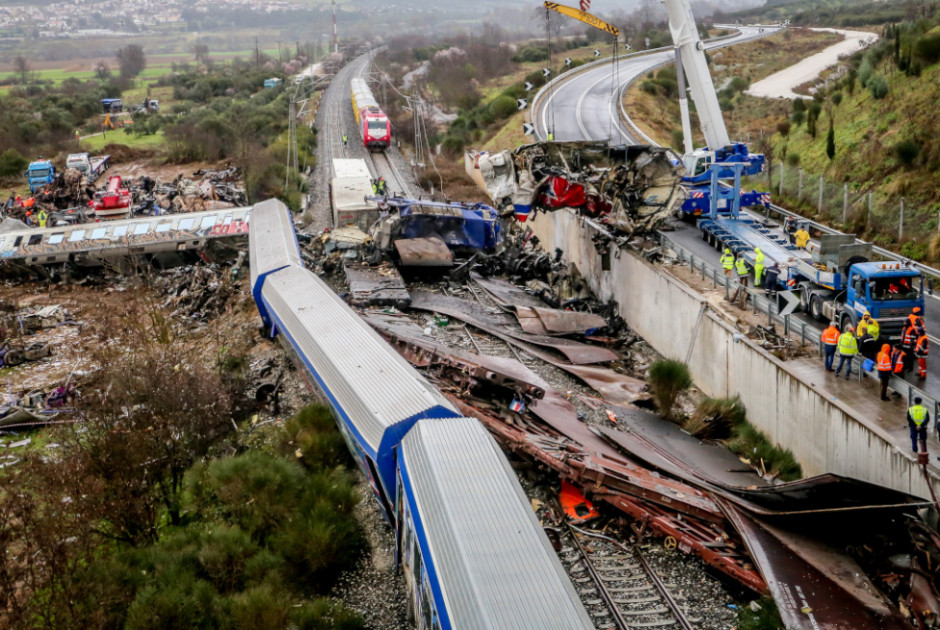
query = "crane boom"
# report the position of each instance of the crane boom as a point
(692, 52)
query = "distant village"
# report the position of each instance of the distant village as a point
(96, 18)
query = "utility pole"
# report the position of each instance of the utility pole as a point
(335, 36)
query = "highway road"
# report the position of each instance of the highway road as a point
(586, 107)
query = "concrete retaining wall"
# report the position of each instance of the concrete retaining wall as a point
(821, 432)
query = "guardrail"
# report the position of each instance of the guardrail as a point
(808, 333)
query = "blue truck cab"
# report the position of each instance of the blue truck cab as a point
(39, 174)
(888, 290)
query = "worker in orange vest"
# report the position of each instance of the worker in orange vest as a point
(921, 350)
(885, 367)
(830, 340)
(898, 356)
(908, 341)
(915, 320)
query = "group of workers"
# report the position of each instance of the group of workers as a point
(897, 359)
(32, 215)
(379, 186)
(740, 267)
(796, 232)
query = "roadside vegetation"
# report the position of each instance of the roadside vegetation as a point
(165, 507)
(209, 111)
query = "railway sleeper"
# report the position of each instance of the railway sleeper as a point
(638, 600)
(662, 610)
(653, 624)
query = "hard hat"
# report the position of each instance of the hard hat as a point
(29, 213)
(917, 309)
(866, 316)
(727, 251)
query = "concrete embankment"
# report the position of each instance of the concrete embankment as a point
(821, 430)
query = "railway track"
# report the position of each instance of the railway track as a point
(618, 586)
(382, 166)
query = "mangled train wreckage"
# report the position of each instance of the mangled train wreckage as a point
(632, 188)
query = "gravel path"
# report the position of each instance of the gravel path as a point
(781, 84)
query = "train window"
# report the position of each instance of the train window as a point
(99, 232)
(227, 220)
(119, 230)
(16, 243)
(164, 227)
(425, 603)
(76, 235)
(187, 223)
(141, 228)
(207, 222)
(35, 239)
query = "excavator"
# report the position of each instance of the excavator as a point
(111, 124)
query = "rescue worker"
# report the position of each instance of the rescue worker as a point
(551, 136)
(874, 328)
(921, 350)
(830, 341)
(918, 418)
(345, 141)
(43, 217)
(727, 261)
(375, 187)
(758, 266)
(740, 266)
(885, 367)
(848, 348)
(383, 187)
(30, 202)
(867, 346)
(915, 320)
(789, 226)
(29, 218)
(801, 238)
(771, 277)
(908, 341)
(898, 357)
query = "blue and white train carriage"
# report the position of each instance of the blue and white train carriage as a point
(473, 553)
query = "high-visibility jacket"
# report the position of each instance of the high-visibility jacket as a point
(874, 329)
(884, 361)
(727, 260)
(802, 238)
(758, 258)
(917, 414)
(897, 357)
(42, 218)
(830, 336)
(848, 344)
(741, 266)
(917, 322)
(909, 336)
(922, 349)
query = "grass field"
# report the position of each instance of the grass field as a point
(94, 144)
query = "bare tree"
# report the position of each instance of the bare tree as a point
(132, 60)
(102, 71)
(201, 53)
(21, 68)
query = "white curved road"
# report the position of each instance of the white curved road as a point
(586, 106)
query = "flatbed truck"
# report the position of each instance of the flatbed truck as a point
(91, 167)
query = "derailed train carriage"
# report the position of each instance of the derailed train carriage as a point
(470, 547)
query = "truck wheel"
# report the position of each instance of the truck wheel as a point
(846, 322)
(815, 307)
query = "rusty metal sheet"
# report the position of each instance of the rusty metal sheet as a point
(829, 593)
(553, 321)
(577, 353)
(375, 285)
(424, 252)
(506, 294)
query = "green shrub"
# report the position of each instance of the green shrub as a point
(836, 98)
(751, 443)
(650, 87)
(907, 151)
(715, 418)
(530, 53)
(739, 84)
(668, 379)
(260, 608)
(313, 431)
(325, 614)
(453, 145)
(184, 603)
(12, 164)
(878, 87)
(927, 48)
(503, 107)
(224, 555)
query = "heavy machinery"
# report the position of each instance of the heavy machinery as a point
(112, 203)
(90, 167)
(40, 174)
(112, 122)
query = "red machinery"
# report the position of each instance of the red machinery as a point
(112, 203)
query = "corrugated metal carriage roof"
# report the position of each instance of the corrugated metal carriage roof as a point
(272, 243)
(374, 386)
(497, 568)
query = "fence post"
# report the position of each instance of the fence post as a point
(901, 222)
(780, 191)
(819, 205)
(845, 201)
(799, 186)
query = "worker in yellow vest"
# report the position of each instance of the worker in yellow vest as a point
(43, 218)
(741, 267)
(727, 262)
(758, 266)
(918, 418)
(848, 348)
